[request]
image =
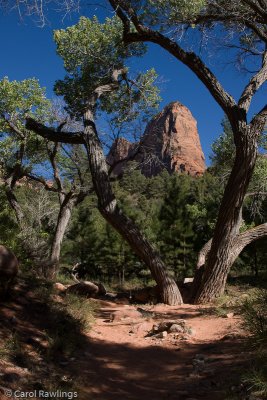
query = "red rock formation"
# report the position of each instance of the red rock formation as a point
(121, 150)
(170, 141)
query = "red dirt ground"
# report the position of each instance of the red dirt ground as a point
(118, 362)
(122, 364)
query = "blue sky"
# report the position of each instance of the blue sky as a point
(29, 51)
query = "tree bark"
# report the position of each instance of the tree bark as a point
(238, 244)
(220, 258)
(50, 267)
(107, 203)
(108, 207)
(65, 212)
(245, 136)
(13, 202)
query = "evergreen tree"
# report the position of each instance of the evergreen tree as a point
(176, 235)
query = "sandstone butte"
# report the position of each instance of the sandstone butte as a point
(170, 141)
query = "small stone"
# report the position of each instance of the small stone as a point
(175, 328)
(161, 335)
(59, 287)
(188, 280)
(230, 315)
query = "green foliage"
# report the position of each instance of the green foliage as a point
(223, 151)
(92, 51)
(8, 235)
(136, 99)
(68, 320)
(176, 212)
(174, 10)
(17, 100)
(255, 317)
(12, 349)
(255, 321)
(176, 235)
(207, 193)
(256, 377)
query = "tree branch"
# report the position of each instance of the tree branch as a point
(191, 60)
(130, 157)
(113, 85)
(53, 135)
(203, 253)
(259, 121)
(257, 8)
(52, 157)
(42, 181)
(13, 127)
(254, 84)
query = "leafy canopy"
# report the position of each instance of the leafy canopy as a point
(92, 51)
(174, 10)
(18, 99)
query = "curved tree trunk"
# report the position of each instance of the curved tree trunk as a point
(69, 202)
(245, 136)
(108, 207)
(238, 244)
(107, 203)
(63, 219)
(220, 258)
(49, 266)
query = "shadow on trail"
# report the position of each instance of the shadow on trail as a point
(122, 371)
(101, 370)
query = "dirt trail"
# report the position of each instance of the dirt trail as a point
(116, 360)
(121, 363)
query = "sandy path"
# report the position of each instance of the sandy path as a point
(120, 363)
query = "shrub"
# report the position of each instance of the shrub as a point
(255, 321)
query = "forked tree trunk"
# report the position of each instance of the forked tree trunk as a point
(13, 202)
(108, 207)
(223, 246)
(51, 267)
(239, 243)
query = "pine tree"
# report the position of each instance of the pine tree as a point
(176, 235)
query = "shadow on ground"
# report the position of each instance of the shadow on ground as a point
(101, 370)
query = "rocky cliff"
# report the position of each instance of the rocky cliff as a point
(170, 141)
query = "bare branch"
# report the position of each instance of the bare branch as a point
(130, 157)
(254, 84)
(259, 121)
(257, 8)
(145, 34)
(251, 235)
(42, 181)
(52, 158)
(203, 253)
(13, 127)
(53, 135)
(114, 85)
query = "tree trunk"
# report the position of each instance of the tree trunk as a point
(27, 243)
(50, 268)
(220, 258)
(13, 202)
(108, 207)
